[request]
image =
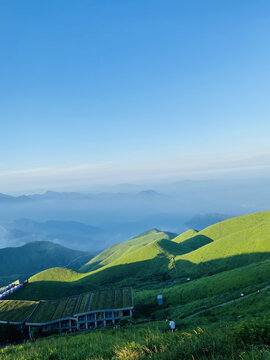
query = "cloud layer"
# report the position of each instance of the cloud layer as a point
(86, 176)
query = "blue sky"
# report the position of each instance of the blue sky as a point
(95, 91)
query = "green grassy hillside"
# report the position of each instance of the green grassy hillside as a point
(248, 245)
(57, 274)
(183, 299)
(116, 251)
(247, 340)
(237, 224)
(185, 236)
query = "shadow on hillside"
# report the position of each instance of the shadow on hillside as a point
(207, 268)
(170, 246)
(138, 274)
(186, 246)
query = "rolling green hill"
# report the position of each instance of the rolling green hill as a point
(248, 242)
(116, 251)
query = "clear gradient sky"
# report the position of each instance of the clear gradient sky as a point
(95, 91)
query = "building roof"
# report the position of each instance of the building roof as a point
(16, 311)
(47, 311)
(99, 300)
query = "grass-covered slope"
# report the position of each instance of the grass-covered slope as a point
(244, 245)
(116, 251)
(185, 236)
(235, 225)
(57, 274)
(183, 299)
(247, 340)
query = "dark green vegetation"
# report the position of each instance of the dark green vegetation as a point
(21, 262)
(195, 272)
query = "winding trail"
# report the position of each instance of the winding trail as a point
(227, 302)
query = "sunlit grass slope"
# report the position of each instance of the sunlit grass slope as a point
(116, 251)
(57, 274)
(185, 236)
(228, 250)
(237, 224)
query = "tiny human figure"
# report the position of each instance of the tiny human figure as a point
(172, 325)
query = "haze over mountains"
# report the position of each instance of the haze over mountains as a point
(94, 221)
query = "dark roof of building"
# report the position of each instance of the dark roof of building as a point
(16, 311)
(99, 300)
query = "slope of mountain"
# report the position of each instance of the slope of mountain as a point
(231, 243)
(37, 256)
(185, 236)
(233, 225)
(116, 251)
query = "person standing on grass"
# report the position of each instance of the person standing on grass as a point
(172, 325)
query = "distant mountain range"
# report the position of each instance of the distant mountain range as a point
(72, 196)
